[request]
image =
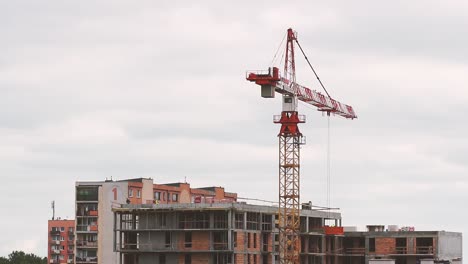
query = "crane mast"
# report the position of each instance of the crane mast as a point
(290, 141)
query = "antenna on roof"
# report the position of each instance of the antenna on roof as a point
(53, 209)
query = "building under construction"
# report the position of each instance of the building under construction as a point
(234, 233)
(217, 233)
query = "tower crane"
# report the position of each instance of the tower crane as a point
(291, 139)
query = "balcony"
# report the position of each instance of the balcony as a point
(428, 250)
(84, 243)
(401, 250)
(54, 261)
(220, 246)
(87, 228)
(93, 213)
(70, 252)
(55, 233)
(86, 259)
(55, 252)
(356, 251)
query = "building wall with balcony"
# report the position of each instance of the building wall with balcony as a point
(60, 246)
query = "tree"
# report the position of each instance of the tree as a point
(4, 260)
(19, 257)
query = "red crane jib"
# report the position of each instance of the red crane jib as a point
(282, 85)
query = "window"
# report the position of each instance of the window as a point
(62, 248)
(70, 229)
(157, 196)
(130, 192)
(61, 257)
(248, 259)
(87, 193)
(138, 194)
(188, 259)
(372, 244)
(255, 240)
(175, 197)
(248, 240)
(55, 238)
(162, 259)
(167, 239)
(164, 196)
(62, 238)
(188, 239)
(235, 239)
(62, 229)
(55, 229)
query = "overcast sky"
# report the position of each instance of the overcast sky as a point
(95, 89)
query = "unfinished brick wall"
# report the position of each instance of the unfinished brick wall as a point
(200, 240)
(239, 259)
(241, 244)
(384, 245)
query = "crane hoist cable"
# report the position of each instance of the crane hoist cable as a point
(328, 166)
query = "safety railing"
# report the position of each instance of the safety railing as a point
(356, 251)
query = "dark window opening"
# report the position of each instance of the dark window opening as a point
(188, 259)
(167, 241)
(371, 244)
(188, 239)
(162, 259)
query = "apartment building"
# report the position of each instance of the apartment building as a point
(218, 232)
(61, 241)
(95, 201)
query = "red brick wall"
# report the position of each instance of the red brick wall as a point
(241, 236)
(385, 245)
(135, 186)
(200, 241)
(239, 259)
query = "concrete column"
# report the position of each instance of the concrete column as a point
(245, 221)
(366, 257)
(114, 233)
(410, 245)
(211, 220)
(229, 228)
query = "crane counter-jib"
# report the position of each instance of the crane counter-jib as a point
(271, 82)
